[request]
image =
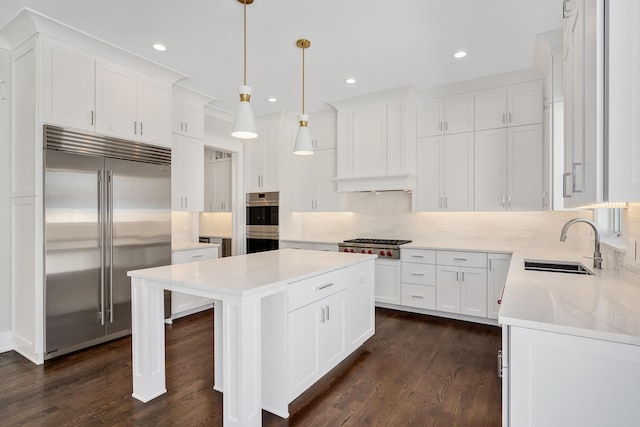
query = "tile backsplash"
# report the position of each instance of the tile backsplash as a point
(388, 215)
(631, 230)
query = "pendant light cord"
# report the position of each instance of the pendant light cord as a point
(303, 81)
(245, 42)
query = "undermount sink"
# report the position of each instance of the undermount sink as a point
(557, 267)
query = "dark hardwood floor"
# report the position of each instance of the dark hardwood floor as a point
(416, 371)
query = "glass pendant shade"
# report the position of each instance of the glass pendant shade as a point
(244, 125)
(303, 145)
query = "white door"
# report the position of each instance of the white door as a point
(323, 134)
(491, 109)
(154, 111)
(525, 168)
(116, 100)
(303, 183)
(388, 280)
(496, 278)
(448, 289)
(193, 118)
(430, 119)
(303, 327)
(429, 174)
(491, 170)
(332, 330)
(458, 172)
(254, 163)
(458, 115)
(209, 187)
(68, 87)
(473, 291)
(525, 104)
(222, 185)
(359, 318)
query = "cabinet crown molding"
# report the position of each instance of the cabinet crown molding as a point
(29, 23)
(403, 92)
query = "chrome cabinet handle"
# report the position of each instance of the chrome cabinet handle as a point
(446, 204)
(197, 256)
(510, 120)
(417, 274)
(328, 311)
(135, 128)
(182, 126)
(439, 125)
(490, 264)
(417, 256)
(140, 128)
(440, 203)
(92, 118)
(325, 286)
(110, 239)
(417, 296)
(463, 276)
(500, 363)
(101, 215)
(504, 200)
(509, 201)
(504, 118)
(186, 127)
(321, 314)
(457, 276)
(460, 259)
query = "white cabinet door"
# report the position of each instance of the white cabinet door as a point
(154, 110)
(209, 187)
(187, 118)
(524, 104)
(496, 278)
(429, 174)
(491, 170)
(222, 185)
(303, 326)
(491, 109)
(323, 133)
(388, 279)
(359, 320)
(332, 330)
(448, 289)
(369, 141)
(68, 87)
(458, 172)
(187, 174)
(184, 304)
(525, 168)
(458, 114)
(303, 180)
(324, 172)
(473, 291)
(116, 100)
(430, 119)
(261, 160)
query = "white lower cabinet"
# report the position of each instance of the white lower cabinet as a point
(388, 281)
(184, 304)
(290, 244)
(554, 379)
(329, 316)
(418, 279)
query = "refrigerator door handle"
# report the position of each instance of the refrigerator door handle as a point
(102, 241)
(110, 225)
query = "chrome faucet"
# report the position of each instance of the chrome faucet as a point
(597, 256)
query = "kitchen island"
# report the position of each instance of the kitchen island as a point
(283, 319)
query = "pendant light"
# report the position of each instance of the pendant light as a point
(303, 145)
(244, 125)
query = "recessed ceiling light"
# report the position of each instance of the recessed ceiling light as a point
(350, 81)
(460, 54)
(159, 47)
(272, 99)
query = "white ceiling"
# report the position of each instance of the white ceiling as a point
(384, 44)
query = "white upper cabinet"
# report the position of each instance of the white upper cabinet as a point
(68, 87)
(217, 186)
(323, 133)
(509, 106)
(509, 169)
(187, 174)
(313, 185)
(445, 173)
(187, 118)
(261, 160)
(131, 105)
(451, 115)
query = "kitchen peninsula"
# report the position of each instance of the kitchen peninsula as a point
(283, 319)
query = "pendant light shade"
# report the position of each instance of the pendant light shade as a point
(244, 125)
(303, 145)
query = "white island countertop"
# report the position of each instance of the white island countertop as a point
(246, 274)
(605, 306)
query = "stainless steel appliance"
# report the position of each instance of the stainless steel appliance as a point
(262, 222)
(384, 248)
(225, 244)
(107, 210)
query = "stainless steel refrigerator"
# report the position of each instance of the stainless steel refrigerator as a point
(107, 210)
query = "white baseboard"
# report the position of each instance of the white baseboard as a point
(6, 341)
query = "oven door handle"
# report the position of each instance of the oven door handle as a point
(270, 236)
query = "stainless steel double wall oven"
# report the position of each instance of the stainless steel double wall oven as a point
(262, 222)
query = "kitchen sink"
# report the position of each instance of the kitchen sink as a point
(557, 267)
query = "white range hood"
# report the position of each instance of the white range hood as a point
(376, 183)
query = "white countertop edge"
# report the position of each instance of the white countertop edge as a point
(186, 246)
(321, 242)
(570, 330)
(458, 247)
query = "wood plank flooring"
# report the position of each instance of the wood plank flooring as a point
(416, 371)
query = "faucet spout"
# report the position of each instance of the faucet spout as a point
(597, 255)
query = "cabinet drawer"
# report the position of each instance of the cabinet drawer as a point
(462, 259)
(418, 255)
(178, 257)
(312, 289)
(420, 274)
(325, 247)
(419, 296)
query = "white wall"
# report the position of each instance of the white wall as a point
(388, 215)
(5, 246)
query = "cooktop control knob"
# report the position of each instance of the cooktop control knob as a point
(381, 253)
(352, 251)
(362, 251)
(346, 250)
(370, 251)
(388, 253)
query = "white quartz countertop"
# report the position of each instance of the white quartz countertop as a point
(186, 246)
(604, 306)
(320, 241)
(458, 247)
(257, 273)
